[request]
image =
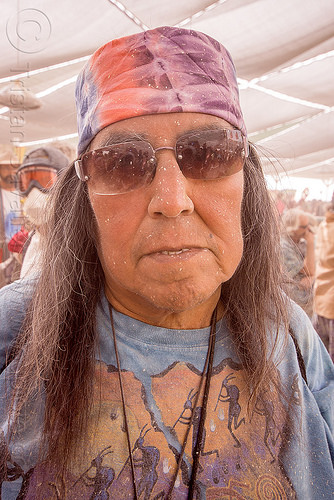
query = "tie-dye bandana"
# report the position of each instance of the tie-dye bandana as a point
(164, 70)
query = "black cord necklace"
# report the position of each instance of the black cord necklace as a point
(206, 375)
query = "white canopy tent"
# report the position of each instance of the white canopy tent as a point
(283, 51)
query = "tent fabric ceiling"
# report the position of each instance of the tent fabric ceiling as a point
(283, 52)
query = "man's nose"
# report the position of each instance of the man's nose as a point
(170, 189)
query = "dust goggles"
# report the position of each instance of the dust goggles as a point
(127, 166)
(35, 176)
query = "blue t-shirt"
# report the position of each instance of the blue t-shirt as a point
(241, 455)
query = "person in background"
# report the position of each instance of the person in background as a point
(9, 205)
(301, 204)
(324, 281)
(157, 357)
(10, 217)
(280, 202)
(17, 245)
(298, 257)
(35, 177)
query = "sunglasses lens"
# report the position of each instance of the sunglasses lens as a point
(37, 176)
(211, 154)
(119, 168)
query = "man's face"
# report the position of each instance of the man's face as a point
(167, 247)
(7, 177)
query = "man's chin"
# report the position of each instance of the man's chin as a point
(178, 299)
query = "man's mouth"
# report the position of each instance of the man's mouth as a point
(174, 252)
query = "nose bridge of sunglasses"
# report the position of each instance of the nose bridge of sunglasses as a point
(157, 150)
(176, 156)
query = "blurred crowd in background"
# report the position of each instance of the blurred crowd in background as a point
(307, 251)
(286, 199)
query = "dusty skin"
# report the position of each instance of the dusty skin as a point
(166, 248)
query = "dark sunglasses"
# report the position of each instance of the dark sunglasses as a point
(35, 176)
(126, 166)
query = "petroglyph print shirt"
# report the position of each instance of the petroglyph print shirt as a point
(241, 456)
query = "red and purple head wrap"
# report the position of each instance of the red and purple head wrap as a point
(164, 70)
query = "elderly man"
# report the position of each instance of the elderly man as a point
(155, 360)
(298, 260)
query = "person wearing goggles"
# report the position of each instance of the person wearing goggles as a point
(159, 357)
(34, 178)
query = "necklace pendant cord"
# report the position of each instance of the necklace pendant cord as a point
(197, 451)
(124, 408)
(206, 374)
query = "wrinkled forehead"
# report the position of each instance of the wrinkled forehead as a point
(159, 129)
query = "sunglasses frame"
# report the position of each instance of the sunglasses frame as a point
(232, 134)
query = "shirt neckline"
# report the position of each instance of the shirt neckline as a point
(144, 333)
